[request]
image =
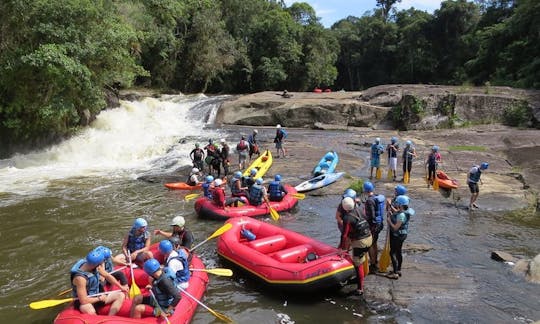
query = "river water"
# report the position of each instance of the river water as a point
(59, 203)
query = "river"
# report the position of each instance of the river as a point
(59, 203)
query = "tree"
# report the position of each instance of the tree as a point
(386, 6)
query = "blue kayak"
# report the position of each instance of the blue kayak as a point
(319, 181)
(327, 164)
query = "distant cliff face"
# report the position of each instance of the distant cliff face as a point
(388, 106)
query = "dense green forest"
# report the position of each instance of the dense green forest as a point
(59, 58)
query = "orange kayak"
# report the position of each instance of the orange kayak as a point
(445, 181)
(182, 186)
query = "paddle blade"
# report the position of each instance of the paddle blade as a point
(378, 174)
(134, 289)
(221, 230)
(191, 196)
(273, 213)
(299, 195)
(49, 303)
(217, 271)
(436, 184)
(390, 175)
(384, 261)
(406, 177)
(365, 265)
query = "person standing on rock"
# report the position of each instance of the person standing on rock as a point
(409, 153)
(376, 150)
(253, 144)
(432, 161)
(392, 150)
(398, 224)
(472, 180)
(197, 157)
(224, 153)
(281, 134)
(243, 150)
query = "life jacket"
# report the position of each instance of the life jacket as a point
(92, 278)
(218, 196)
(376, 150)
(359, 226)
(274, 190)
(404, 228)
(284, 133)
(206, 190)
(380, 208)
(162, 298)
(234, 188)
(406, 154)
(198, 154)
(183, 275)
(256, 195)
(135, 243)
(247, 182)
(474, 174)
(243, 145)
(432, 160)
(192, 179)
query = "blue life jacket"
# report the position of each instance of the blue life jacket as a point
(380, 209)
(274, 190)
(162, 298)
(376, 150)
(234, 189)
(136, 242)
(474, 177)
(206, 190)
(283, 132)
(92, 278)
(432, 161)
(404, 228)
(183, 275)
(256, 195)
(406, 154)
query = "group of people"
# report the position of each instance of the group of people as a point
(168, 272)
(361, 219)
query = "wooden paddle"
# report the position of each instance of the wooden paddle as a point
(378, 174)
(134, 290)
(217, 233)
(390, 174)
(217, 271)
(161, 312)
(384, 260)
(273, 212)
(54, 302)
(220, 316)
(298, 195)
(406, 176)
(191, 196)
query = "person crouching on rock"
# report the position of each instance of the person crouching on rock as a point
(356, 230)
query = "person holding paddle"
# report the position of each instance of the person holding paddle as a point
(408, 154)
(376, 150)
(178, 230)
(85, 276)
(276, 190)
(175, 263)
(398, 223)
(137, 241)
(392, 150)
(253, 144)
(433, 160)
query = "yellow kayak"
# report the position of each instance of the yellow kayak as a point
(262, 164)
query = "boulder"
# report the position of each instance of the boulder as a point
(529, 268)
(502, 256)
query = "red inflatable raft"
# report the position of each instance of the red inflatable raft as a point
(207, 209)
(445, 181)
(184, 310)
(283, 259)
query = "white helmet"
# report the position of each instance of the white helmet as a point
(255, 131)
(178, 221)
(347, 203)
(378, 140)
(194, 170)
(278, 126)
(222, 140)
(218, 182)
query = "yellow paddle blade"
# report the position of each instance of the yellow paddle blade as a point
(365, 265)
(299, 195)
(134, 289)
(378, 174)
(406, 177)
(218, 232)
(273, 213)
(384, 261)
(49, 303)
(436, 184)
(390, 174)
(217, 271)
(191, 196)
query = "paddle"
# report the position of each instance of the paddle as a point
(365, 265)
(220, 316)
(161, 312)
(191, 196)
(298, 195)
(217, 233)
(390, 174)
(53, 302)
(384, 260)
(273, 212)
(378, 174)
(217, 271)
(68, 290)
(435, 182)
(134, 289)
(406, 176)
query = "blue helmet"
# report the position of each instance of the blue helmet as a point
(140, 222)
(377, 140)
(259, 181)
(165, 247)
(329, 156)
(402, 200)
(238, 175)
(253, 171)
(151, 266)
(408, 143)
(107, 253)
(95, 257)
(393, 140)
(400, 190)
(277, 177)
(209, 179)
(484, 166)
(349, 193)
(368, 186)
(435, 148)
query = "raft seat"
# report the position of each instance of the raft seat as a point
(295, 254)
(269, 244)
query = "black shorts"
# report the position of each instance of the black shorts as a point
(473, 187)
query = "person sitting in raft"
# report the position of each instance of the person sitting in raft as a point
(207, 187)
(162, 287)
(236, 186)
(137, 241)
(276, 191)
(193, 178)
(109, 267)
(218, 196)
(178, 230)
(175, 263)
(257, 193)
(249, 180)
(85, 276)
